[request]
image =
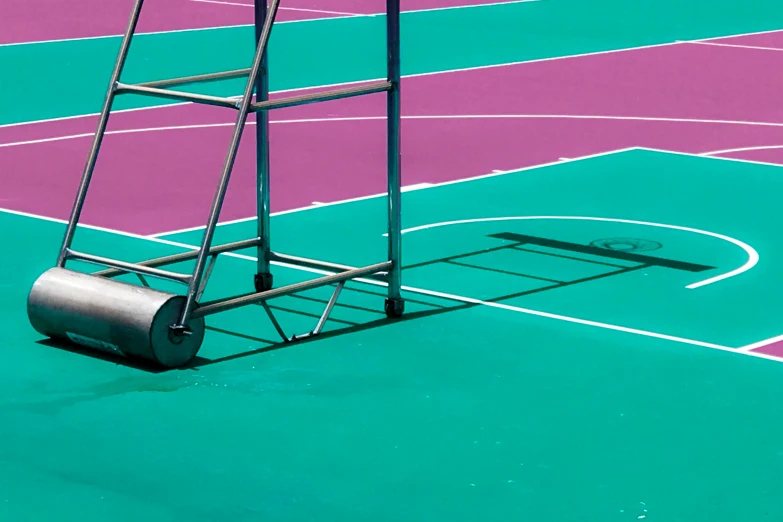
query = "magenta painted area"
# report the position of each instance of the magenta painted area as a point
(677, 81)
(456, 125)
(771, 39)
(39, 20)
(775, 349)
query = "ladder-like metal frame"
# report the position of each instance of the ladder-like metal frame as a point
(205, 257)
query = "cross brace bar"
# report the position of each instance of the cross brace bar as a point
(234, 103)
(199, 78)
(335, 94)
(128, 267)
(223, 305)
(185, 256)
(122, 88)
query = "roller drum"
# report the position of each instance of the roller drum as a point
(112, 316)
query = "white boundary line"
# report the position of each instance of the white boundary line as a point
(738, 35)
(319, 11)
(761, 344)
(716, 44)
(421, 291)
(718, 158)
(420, 117)
(173, 31)
(741, 149)
(753, 256)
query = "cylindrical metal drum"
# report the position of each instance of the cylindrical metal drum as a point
(112, 316)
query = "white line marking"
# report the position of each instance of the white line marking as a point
(761, 344)
(445, 71)
(565, 318)
(716, 44)
(717, 158)
(741, 149)
(90, 115)
(224, 3)
(432, 293)
(753, 256)
(768, 31)
(538, 116)
(382, 194)
(417, 186)
(319, 11)
(412, 117)
(306, 20)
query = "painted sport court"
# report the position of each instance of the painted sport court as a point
(591, 268)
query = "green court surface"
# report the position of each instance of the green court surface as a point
(497, 403)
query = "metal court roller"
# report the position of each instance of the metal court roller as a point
(136, 321)
(112, 316)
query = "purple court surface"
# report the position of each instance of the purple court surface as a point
(41, 20)
(710, 98)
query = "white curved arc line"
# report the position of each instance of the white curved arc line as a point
(753, 256)
(415, 117)
(741, 149)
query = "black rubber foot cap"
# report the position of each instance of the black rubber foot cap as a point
(263, 282)
(394, 308)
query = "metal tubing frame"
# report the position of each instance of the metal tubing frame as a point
(389, 271)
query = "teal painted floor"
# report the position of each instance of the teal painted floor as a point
(461, 411)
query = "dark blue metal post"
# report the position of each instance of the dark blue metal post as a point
(263, 280)
(394, 303)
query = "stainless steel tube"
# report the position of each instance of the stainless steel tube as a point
(223, 305)
(184, 256)
(128, 267)
(103, 120)
(336, 94)
(208, 77)
(124, 88)
(217, 203)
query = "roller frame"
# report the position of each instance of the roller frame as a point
(388, 271)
